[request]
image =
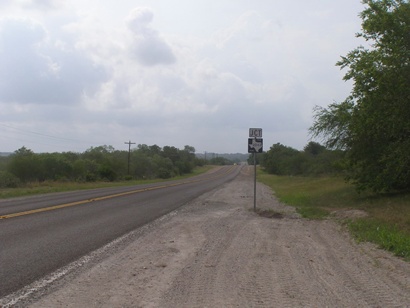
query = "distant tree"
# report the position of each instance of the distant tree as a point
(106, 163)
(97, 163)
(106, 172)
(142, 165)
(186, 162)
(314, 148)
(259, 159)
(221, 161)
(154, 149)
(314, 160)
(189, 149)
(164, 168)
(8, 180)
(85, 170)
(53, 166)
(281, 160)
(372, 124)
(4, 161)
(170, 152)
(24, 164)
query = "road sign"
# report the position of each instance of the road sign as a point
(255, 133)
(255, 145)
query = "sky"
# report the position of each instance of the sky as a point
(76, 74)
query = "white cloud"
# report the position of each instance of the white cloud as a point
(149, 48)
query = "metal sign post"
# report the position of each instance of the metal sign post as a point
(255, 145)
(254, 182)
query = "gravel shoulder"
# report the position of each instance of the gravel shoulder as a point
(216, 252)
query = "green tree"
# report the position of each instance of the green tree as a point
(164, 167)
(8, 180)
(282, 160)
(107, 164)
(53, 166)
(24, 164)
(187, 160)
(142, 165)
(314, 148)
(171, 152)
(372, 124)
(85, 170)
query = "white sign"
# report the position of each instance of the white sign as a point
(255, 145)
(255, 132)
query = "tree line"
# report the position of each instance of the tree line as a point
(314, 160)
(102, 163)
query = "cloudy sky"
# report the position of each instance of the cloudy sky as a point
(76, 74)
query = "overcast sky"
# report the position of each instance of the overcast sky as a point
(82, 73)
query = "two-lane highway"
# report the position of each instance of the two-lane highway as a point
(40, 234)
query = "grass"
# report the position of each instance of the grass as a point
(55, 186)
(388, 215)
(388, 237)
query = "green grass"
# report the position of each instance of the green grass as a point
(388, 215)
(55, 186)
(387, 236)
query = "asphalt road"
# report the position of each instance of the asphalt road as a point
(40, 234)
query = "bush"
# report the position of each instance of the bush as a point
(8, 180)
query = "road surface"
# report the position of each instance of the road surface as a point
(40, 234)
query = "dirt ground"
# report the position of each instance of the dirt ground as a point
(216, 252)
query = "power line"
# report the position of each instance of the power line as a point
(36, 133)
(25, 132)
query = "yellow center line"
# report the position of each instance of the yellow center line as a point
(60, 206)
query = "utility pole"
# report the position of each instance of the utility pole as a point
(129, 154)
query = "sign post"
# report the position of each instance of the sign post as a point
(255, 145)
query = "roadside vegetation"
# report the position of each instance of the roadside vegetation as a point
(35, 188)
(25, 172)
(383, 219)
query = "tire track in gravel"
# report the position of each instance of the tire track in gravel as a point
(337, 277)
(373, 287)
(197, 283)
(262, 283)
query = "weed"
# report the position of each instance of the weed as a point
(386, 236)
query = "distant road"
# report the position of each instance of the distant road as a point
(40, 234)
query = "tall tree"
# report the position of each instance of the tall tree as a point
(373, 123)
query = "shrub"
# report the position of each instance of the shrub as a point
(8, 180)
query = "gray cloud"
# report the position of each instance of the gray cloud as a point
(34, 71)
(148, 47)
